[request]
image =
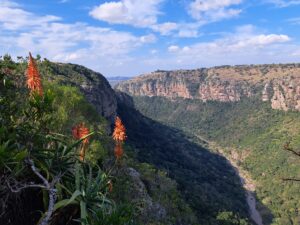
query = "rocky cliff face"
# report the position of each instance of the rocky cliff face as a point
(278, 84)
(94, 86)
(283, 93)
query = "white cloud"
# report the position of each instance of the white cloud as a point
(261, 40)
(102, 49)
(12, 17)
(145, 14)
(113, 52)
(188, 33)
(8, 3)
(132, 12)
(165, 28)
(243, 39)
(182, 30)
(142, 14)
(189, 30)
(206, 5)
(213, 10)
(284, 3)
(173, 48)
(150, 38)
(243, 46)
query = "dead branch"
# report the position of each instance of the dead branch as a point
(291, 179)
(50, 187)
(289, 149)
(19, 187)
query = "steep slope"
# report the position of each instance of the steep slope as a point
(247, 129)
(142, 177)
(74, 94)
(278, 84)
(93, 85)
(207, 181)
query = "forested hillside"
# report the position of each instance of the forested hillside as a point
(250, 131)
(249, 112)
(64, 161)
(208, 182)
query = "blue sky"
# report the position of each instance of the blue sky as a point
(130, 37)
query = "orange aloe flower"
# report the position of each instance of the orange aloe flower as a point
(79, 132)
(33, 77)
(119, 133)
(119, 151)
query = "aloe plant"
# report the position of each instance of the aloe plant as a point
(90, 192)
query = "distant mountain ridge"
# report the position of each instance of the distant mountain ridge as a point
(117, 79)
(278, 84)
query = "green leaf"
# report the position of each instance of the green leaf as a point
(65, 202)
(21, 155)
(79, 141)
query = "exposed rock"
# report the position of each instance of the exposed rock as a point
(193, 84)
(286, 94)
(149, 209)
(102, 97)
(94, 86)
(278, 84)
(266, 92)
(278, 99)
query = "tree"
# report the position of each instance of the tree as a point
(288, 148)
(229, 218)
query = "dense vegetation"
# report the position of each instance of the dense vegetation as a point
(46, 174)
(164, 177)
(251, 130)
(207, 181)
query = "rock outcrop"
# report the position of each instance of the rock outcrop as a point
(286, 94)
(149, 209)
(278, 84)
(92, 84)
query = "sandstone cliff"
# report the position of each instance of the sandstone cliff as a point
(277, 84)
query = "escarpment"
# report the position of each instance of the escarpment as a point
(278, 84)
(93, 85)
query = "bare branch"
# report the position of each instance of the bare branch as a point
(36, 172)
(291, 179)
(51, 189)
(289, 149)
(17, 189)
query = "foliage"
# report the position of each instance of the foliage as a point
(38, 154)
(35, 132)
(228, 218)
(205, 179)
(253, 131)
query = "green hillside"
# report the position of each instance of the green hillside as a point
(167, 176)
(251, 130)
(42, 177)
(207, 181)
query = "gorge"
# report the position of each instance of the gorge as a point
(251, 112)
(204, 147)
